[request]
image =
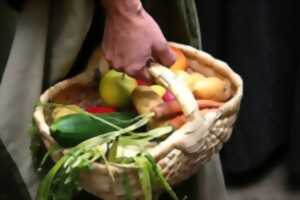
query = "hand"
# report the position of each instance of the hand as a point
(132, 37)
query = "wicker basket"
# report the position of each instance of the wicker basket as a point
(182, 153)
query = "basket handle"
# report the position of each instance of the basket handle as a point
(188, 138)
(182, 93)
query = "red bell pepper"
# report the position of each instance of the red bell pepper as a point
(141, 82)
(100, 109)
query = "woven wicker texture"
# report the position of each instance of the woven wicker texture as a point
(182, 153)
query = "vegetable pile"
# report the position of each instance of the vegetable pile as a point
(130, 117)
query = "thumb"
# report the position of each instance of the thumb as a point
(163, 54)
(133, 69)
(139, 72)
(145, 75)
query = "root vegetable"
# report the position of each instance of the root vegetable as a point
(62, 111)
(160, 90)
(168, 96)
(144, 99)
(212, 88)
(178, 121)
(172, 108)
(189, 78)
(194, 78)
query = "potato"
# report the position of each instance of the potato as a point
(189, 79)
(62, 111)
(144, 99)
(194, 78)
(212, 88)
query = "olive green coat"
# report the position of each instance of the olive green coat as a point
(48, 38)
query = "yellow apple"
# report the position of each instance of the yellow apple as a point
(116, 88)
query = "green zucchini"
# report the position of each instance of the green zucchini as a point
(73, 129)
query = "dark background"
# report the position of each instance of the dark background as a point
(259, 39)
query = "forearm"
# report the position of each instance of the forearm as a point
(122, 7)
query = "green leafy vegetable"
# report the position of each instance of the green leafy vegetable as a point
(44, 190)
(128, 191)
(143, 139)
(113, 132)
(161, 178)
(113, 151)
(81, 157)
(32, 130)
(52, 149)
(144, 176)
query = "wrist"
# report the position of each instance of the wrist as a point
(122, 7)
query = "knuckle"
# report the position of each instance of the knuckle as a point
(162, 48)
(133, 69)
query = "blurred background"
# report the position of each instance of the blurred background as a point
(259, 40)
(8, 18)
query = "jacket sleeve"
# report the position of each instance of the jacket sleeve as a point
(186, 29)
